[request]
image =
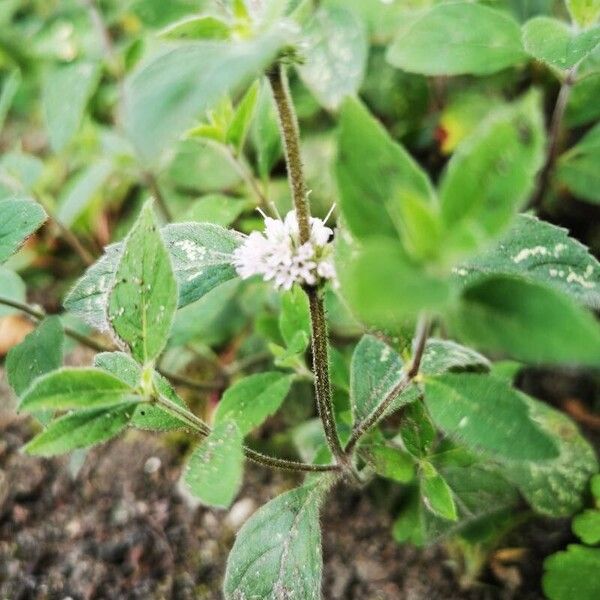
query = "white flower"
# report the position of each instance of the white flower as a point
(277, 255)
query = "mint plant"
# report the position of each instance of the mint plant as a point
(437, 281)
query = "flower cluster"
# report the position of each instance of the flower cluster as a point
(277, 255)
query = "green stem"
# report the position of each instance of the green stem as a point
(291, 141)
(203, 429)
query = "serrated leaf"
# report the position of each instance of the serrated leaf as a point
(555, 487)
(201, 255)
(19, 218)
(577, 168)
(511, 315)
(39, 353)
(251, 400)
(165, 95)
(458, 38)
(572, 573)
(71, 387)
(294, 317)
(487, 416)
(75, 81)
(277, 552)
(586, 526)
(490, 176)
(556, 43)
(541, 252)
(214, 471)
(81, 429)
(437, 494)
(336, 55)
(374, 175)
(143, 298)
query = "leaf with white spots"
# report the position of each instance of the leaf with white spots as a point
(277, 553)
(555, 487)
(19, 218)
(445, 355)
(249, 401)
(201, 259)
(487, 416)
(336, 57)
(541, 252)
(143, 298)
(214, 471)
(81, 429)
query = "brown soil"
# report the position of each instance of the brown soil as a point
(121, 528)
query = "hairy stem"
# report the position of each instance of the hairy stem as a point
(554, 136)
(373, 418)
(204, 429)
(291, 141)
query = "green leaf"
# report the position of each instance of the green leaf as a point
(510, 315)
(147, 415)
(77, 82)
(278, 550)
(201, 254)
(39, 353)
(120, 365)
(10, 87)
(584, 12)
(445, 355)
(586, 526)
(81, 429)
(578, 168)
(143, 298)
(437, 494)
(214, 471)
(487, 416)
(251, 400)
(572, 573)
(595, 487)
(556, 43)
(383, 286)
(540, 252)
(555, 487)
(376, 369)
(81, 191)
(490, 176)
(18, 220)
(387, 460)
(458, 38)
(12, 287)
(417, 431)
(375, 175)
(336, 55)
(167, 93)
(202, 27)
(242, 118)
(215, 208)
(294, 317)
(70, 388)
(265, 134)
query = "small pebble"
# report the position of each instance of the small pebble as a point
(152, 465)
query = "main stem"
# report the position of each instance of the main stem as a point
(291, 140)
(554, 136)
